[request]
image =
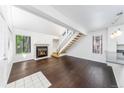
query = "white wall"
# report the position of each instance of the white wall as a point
(83, 48)
(36, 38)
(2, 53)
(120, 39)
(6, 52)
(1, 37)
(111, 46)
(55, 44)
(112, 43)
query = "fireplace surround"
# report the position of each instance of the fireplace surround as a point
(41, 51)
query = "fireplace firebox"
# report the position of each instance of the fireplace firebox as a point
(41, 51)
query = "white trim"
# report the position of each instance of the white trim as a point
(41, 44)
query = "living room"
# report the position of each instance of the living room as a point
(52, 43)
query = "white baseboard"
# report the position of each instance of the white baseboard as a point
(87, 59)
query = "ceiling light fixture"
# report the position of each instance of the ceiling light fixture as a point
(116, 34)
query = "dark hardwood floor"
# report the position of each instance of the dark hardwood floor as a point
(67, 72)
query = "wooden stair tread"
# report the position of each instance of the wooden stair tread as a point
(55, 54)
(69, 44)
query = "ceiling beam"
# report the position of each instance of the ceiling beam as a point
(49, 13)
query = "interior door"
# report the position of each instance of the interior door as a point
(3, 59)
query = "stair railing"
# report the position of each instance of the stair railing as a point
(65, 40)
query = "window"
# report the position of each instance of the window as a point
(23, 44)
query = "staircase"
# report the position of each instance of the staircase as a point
(70, 38)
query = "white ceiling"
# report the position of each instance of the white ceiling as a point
(27, 21)
(92, 17)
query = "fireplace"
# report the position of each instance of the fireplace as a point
(41, 51)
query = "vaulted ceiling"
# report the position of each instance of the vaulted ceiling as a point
(27, 21)
(92, 17)
(89, 17)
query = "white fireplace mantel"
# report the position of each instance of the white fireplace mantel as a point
(41, 45)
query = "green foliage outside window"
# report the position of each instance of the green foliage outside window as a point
(23, 44)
